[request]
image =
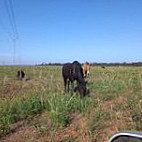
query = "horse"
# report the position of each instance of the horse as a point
(71, 72)
(81, 89)
(86, 69)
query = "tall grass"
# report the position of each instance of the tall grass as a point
(115, 98)
(59, 107)
(134, 105)
(17, 109)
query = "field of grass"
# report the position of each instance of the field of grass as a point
(37, 110)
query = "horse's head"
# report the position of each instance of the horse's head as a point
(81, 89)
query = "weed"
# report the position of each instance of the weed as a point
(98, 119)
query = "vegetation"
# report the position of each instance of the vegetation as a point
(114, 103)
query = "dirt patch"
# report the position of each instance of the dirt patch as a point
(76, 131)
(24, 134)
(118, 99)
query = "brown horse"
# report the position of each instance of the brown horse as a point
(86, 69)
(71, 72)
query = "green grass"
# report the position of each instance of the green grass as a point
(134, 105)
(98, 119)
(115, 100)
(17, 109)
(58, 105)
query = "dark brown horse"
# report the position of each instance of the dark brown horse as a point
(71, 72)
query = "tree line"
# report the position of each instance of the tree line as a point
(97, 64)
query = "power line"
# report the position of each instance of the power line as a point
(10, 13)
(14, 40)
(15, 30)
(5, 29)
(13, 17)
(14, 50)
(14, 36)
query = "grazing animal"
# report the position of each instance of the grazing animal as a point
(67, 74)
(20, 74)
(71, 72)
(81, 89)
(78, 72)
(103, 67)
(86, 69)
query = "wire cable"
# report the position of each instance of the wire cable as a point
(14, 36)
(5, 29)
(13, 17)
(10, 13)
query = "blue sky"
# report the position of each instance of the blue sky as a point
(68, 30)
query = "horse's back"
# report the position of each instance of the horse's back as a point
(66, 69)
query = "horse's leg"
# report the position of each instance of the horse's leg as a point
(65, 84)
(72, 89)
(68, 85)
(72, 85)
